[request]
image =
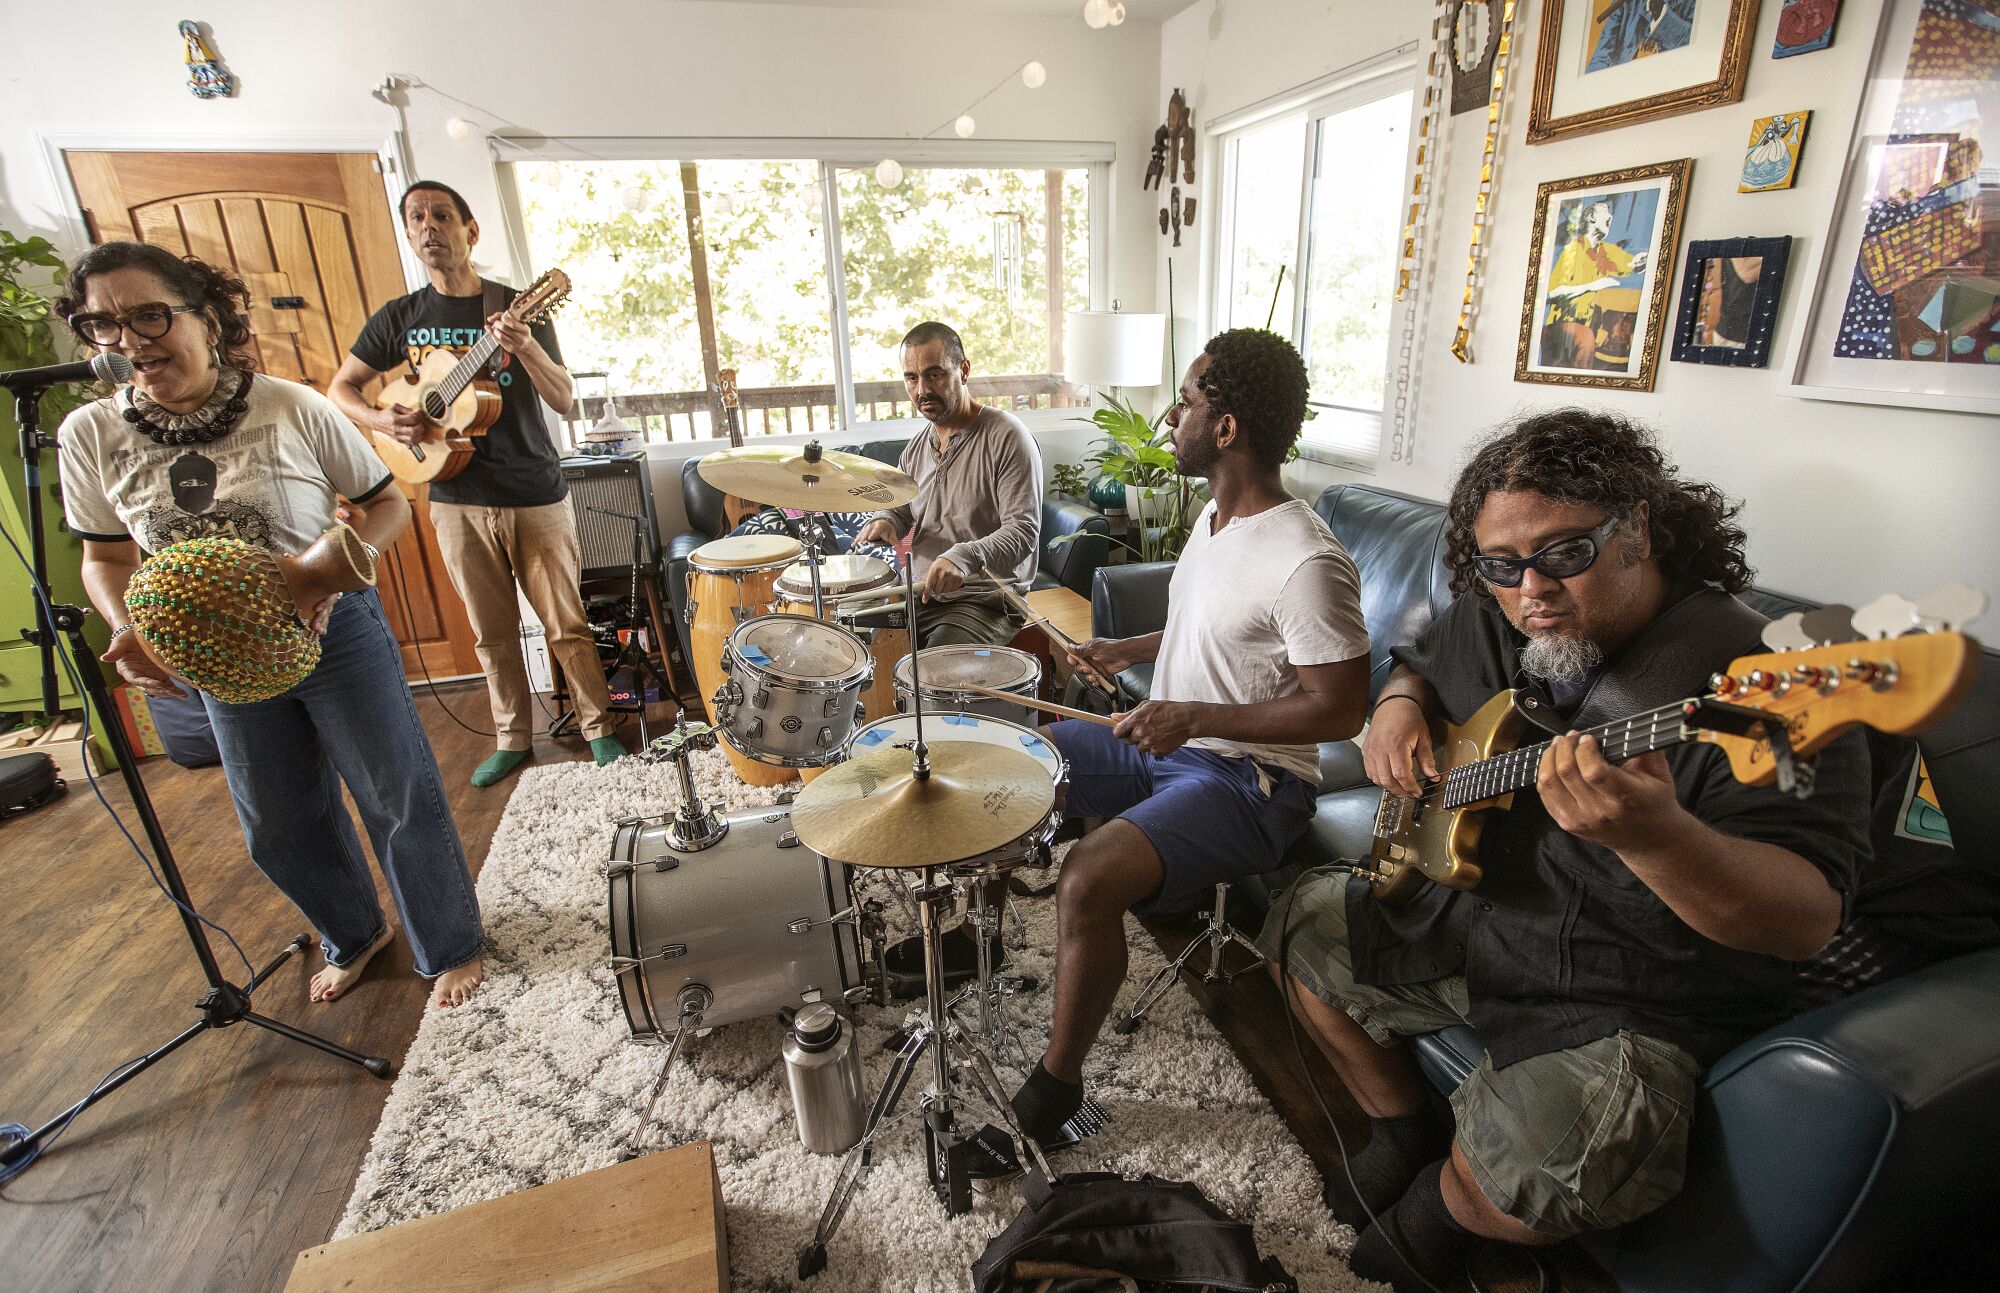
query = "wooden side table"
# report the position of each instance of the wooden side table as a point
(653, 1223)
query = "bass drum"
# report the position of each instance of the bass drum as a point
(724, 918)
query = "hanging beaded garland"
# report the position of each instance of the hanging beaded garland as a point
(218, 613)
(216, 418)
(1489, 162)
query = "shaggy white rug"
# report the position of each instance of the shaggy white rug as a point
(538, 1078)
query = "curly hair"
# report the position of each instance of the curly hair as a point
(1258, 377)
(223, 299)
(1599, 459)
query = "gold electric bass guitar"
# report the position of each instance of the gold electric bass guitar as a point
(1769, 713)
(452, 393)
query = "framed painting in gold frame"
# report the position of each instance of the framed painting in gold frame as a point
(1603, 64)
(1600, 270)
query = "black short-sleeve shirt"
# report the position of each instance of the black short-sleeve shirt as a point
(515, 463)
(1560, 943)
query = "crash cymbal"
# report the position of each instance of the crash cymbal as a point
(873, 811)
(807, 478)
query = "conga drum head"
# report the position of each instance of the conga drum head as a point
(946, 668)
(840, 576)
(746, 552)
(798, 649)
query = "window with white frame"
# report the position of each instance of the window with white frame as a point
(690, 264)
(1313, 194)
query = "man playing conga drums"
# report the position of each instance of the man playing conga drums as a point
(979, 507)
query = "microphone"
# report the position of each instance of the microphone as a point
(107, 367)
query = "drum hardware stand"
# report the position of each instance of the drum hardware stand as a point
(631, 654)
(224, 1003)
(695, 999)
(696, 825)
(1218, 935)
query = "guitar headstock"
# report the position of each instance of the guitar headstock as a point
(725, 385)
(1893, 665)
(543, 297)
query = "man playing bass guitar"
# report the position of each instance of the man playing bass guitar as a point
(1635, 920)
(504, 518)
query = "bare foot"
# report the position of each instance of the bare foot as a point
(455, 987)
(333, 980)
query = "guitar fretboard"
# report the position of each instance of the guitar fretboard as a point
(462, 374)
(1627, 738)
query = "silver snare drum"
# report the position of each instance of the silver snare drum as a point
(794, 690)
(744, 918)
(900, 731)
(1000, 668)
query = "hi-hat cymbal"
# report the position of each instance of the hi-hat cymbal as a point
(873, 811)
(786, 476)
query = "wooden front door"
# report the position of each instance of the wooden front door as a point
(312, 238)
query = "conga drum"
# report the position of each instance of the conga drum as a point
(729, 581)
(851, 583)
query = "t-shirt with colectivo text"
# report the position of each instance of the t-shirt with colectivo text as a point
(515, 463)
(271, 482)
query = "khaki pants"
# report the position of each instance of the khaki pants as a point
(487, 550)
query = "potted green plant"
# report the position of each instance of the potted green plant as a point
(1161, 502)
(1069, 478)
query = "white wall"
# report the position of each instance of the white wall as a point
(585, 67)
(1842, 501)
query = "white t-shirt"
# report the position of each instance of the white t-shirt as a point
(270, 482)
(1247, 606)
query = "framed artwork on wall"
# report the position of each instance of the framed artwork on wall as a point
(1473, 40)
(1602, 64)
(1804, 27)
(1729, 301)
(1600, 268)
(1905, 310)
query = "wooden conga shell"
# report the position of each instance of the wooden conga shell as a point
(731, 580)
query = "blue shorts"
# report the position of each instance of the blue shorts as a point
(1203, 812)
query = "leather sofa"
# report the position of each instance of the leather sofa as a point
(1828, 1152)
(1069, 565)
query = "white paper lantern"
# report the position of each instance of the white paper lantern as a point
(888, 172)
(1117, 12)
(965, 125)
(459, 128)
(1096, 14)
(1033, 75)
(635, 198)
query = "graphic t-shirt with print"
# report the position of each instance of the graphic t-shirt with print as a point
(515, 463)
(271, 482)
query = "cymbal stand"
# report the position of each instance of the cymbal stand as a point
(947, 1155)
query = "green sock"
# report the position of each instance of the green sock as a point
(497, 765)
(606, 748)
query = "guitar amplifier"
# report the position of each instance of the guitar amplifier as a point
(615, 485)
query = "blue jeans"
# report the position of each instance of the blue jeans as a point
(351, 720)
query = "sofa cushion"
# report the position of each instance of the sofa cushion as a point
(1397, 543)
(1072, 564)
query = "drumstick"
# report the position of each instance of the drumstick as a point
(1020, 603)
(1047, 707)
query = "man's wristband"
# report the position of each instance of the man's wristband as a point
(1394, 695)
(122, 628)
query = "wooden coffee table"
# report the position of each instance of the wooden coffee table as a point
(653, 1223)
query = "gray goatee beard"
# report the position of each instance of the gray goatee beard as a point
(1560, 657)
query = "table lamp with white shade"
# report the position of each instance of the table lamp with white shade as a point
(1109, 348)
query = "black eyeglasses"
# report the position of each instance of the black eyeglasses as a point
(148, 321)
(1563, 559)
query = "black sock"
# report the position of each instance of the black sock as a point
(1045, 1102)
(1416, 1240)
(1398, 1148)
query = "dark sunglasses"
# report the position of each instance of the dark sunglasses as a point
(148, 321)
(1563, 559)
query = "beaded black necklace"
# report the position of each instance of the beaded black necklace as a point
(213, 420)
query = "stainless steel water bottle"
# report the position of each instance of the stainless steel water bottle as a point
(824, 1071)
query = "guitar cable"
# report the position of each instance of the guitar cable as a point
(409, 617)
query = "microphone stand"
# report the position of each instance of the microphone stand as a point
(223, 1003)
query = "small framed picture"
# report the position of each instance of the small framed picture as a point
(1729, 301)
(1600, 269)
(1805, 26)
(1772, 160)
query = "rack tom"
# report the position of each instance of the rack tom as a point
(793, 694)
(729, 581)
(995, 667)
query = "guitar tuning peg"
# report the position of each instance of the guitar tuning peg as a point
(1829, 624)
(1888, 616)
(1784, 634)
(1951, 607)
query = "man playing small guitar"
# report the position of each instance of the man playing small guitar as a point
(503, 519)
(1635, 920)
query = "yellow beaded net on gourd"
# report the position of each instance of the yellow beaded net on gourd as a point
(217, 612)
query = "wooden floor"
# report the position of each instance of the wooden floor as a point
(213, 1170)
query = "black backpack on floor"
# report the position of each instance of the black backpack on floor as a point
(27, 781)
(1163, 1234)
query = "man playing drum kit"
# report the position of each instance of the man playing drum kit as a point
(978, 508)
(1264, 655)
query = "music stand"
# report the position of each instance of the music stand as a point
(223, 1003)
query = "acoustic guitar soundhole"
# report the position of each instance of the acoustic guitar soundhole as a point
(434, 407)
